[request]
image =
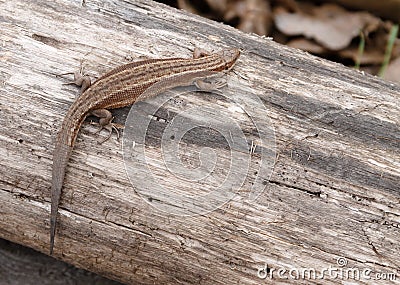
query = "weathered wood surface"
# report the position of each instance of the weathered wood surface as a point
(334, 191)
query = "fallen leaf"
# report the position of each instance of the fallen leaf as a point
(393, 71)
(307, 45)
(329, 25)
(254, 15)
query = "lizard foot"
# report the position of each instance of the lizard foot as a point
(210, 85)
(105, 122)
(109, 127)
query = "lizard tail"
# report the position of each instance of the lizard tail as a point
(63, 148)
(61, 156)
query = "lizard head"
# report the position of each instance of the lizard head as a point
(229, 56)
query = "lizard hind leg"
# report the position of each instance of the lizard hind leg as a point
(105, 122)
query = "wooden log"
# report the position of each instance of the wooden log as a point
(328, 135)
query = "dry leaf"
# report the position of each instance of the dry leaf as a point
(307, 45)
(187, 6)
(329, 25)
(218, 5)
(393, 71)
(375, 47)
(369, 56)
(254, 15)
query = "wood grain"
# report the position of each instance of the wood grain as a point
(333, 191)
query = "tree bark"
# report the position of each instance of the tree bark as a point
(316, 177)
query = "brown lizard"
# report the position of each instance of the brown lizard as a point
(121, 87)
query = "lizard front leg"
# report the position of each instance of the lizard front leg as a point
(80, 80)
(202, 83)
(105, 116)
